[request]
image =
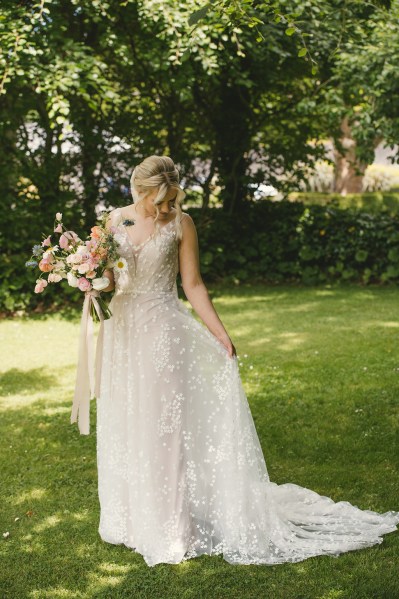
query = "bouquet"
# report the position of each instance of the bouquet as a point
(82, 265)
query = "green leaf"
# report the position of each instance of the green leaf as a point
(361, 255)
(290, 31)
(198, 14)
(302, 52)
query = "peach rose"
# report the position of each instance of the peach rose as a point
(45, 266)
(96, 232)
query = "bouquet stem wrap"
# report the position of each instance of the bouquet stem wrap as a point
(88, 375)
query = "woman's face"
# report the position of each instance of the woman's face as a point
(165, 206)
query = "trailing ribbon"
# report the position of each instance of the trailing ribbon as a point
(88, 375)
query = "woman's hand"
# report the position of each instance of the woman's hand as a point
(110, 275)
(227, 342)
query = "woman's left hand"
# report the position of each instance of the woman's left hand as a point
(229, 345)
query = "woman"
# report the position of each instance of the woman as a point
(180, 467)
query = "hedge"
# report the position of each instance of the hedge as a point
(372, 202)
(269, 242)
(285, 241)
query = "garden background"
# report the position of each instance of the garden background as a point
(283, 118)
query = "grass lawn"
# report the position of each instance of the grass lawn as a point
(321, 370)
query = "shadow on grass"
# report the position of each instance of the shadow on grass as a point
(24, 382)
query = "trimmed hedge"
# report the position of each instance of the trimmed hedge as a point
(374, 202)
(285, 241)
(268, 241)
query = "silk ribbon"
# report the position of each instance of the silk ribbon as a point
(88, 374)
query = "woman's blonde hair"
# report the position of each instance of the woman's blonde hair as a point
(158, 172)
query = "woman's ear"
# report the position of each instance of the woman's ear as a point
(180, 195)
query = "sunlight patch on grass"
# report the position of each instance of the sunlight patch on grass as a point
(48, 522)
(334, 594)
(387, 325)
(80, 516)
(58, 410)
(305, 307)
(292, 340)
(112, 568)
(101, 583)
(54, 593)
(259, 341)
(324, 293)
(27, 496)
(234, 301)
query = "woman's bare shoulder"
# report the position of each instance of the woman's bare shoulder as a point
(186, 218)
(111, 217)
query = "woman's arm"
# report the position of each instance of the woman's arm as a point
(194, 287)
(109, 273)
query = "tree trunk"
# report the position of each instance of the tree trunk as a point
(349, 171)
(234, 138)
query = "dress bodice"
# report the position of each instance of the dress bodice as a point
(152, 266)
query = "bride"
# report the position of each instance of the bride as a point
(180, 468)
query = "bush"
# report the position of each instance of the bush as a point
(289, 241)
(376, 202)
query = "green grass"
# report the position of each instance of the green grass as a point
(321, 370)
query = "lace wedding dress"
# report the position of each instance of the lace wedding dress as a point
(180, 468)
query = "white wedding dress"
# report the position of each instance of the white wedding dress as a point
(180, 468)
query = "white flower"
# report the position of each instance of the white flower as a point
(120, 264)
(6, 534)
(76, 258)
(72, 280)
(50, 250)
(54, 277)
(83, 268)
(100, 283)
(58, 216)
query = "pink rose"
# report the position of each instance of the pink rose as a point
(69, 237)
(84, 284)
(40, 285)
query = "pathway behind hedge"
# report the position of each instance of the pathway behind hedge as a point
(321, 370)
